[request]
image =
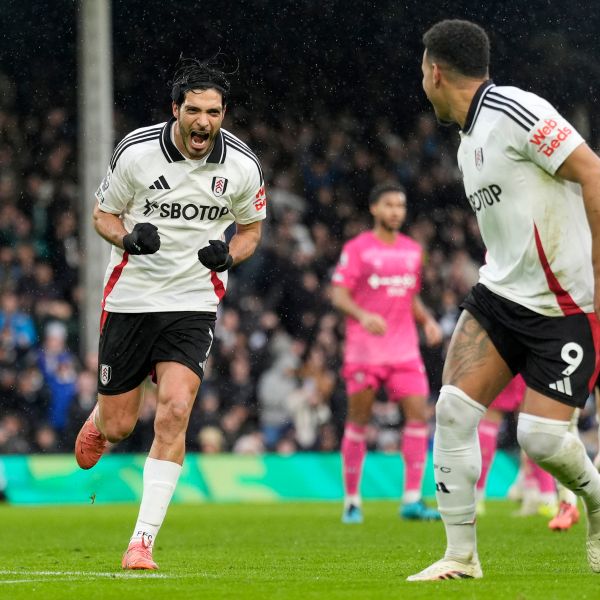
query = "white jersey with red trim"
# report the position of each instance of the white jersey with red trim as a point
(532, 221)
(191, 202)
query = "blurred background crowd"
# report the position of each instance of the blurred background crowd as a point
(272, 382)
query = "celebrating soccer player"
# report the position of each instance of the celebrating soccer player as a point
(530, 179)
(376, 284)
(170, 192)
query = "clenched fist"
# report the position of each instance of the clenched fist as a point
(215, 256)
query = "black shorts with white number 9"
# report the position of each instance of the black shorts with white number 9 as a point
(132, 344)
(557, 356)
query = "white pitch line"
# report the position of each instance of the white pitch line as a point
(90, 574)
(4, 581)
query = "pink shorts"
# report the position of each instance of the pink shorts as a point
(510, 398)
(400, 380)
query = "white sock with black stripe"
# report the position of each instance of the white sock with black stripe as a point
(457, 466)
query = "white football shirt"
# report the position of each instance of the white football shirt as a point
(532, 222)
(191, 202)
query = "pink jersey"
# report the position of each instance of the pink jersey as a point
(382, 278)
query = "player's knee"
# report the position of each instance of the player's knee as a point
(537, 442)
(115, 431)
(174, 414)
(455, 409)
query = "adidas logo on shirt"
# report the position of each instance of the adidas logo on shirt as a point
(160, 184)
(563, 386)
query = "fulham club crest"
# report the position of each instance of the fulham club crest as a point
(219, 185)
(105, 374)
(479, 158)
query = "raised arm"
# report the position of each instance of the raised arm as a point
(144, 238)
(245, 240)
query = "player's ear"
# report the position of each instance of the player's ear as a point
(175, 109)
(436, 74)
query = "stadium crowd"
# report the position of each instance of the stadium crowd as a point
(272, 382)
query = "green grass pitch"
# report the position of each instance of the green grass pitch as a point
(281, 551)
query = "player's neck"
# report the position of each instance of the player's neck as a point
(460, 100)
(386, 236)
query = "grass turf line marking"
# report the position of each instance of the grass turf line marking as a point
(88, 574)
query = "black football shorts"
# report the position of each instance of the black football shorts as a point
(132, 343)
(557, 356)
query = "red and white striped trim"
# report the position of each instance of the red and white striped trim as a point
(218, 285)
(110, 284)
(566, 303)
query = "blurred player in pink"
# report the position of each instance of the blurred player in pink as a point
(376, 285)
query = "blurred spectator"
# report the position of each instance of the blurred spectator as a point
(17, 329)
(275, 386)
(211, 440)
(58, 366)
(13, 435)
(32, 396)
(45, 440)
(309, 403)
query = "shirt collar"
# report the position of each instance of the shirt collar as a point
(172, 153)
(475, 106)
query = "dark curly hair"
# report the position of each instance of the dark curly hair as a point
(194, 74)
(384, 188)
(462, 45)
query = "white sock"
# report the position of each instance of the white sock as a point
(548, 498)
(549, 443)
(160, 479)
(411, 496)
(352, 500)
(564, 494)
(457, 466)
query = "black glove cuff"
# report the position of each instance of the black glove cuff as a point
(130, 246)
(226, 265)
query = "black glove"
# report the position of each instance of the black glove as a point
(216, 256)
(144, 239)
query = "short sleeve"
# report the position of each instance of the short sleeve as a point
(250, 204)
(347, 270)
(549, 140)
(116, 189)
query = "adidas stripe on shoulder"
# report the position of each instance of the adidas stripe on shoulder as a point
(236, 144)
(136, 137)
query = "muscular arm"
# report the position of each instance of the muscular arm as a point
(342, 300)
(244, 241)
(583, 166)
(109, 226)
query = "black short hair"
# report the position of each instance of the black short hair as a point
(194, 74)
(384, 188)
(463, 45)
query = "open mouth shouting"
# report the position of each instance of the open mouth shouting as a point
(199, 140)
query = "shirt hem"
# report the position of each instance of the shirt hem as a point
(155, 309)
(546, 312)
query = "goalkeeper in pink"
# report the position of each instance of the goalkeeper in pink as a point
(376, 285)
